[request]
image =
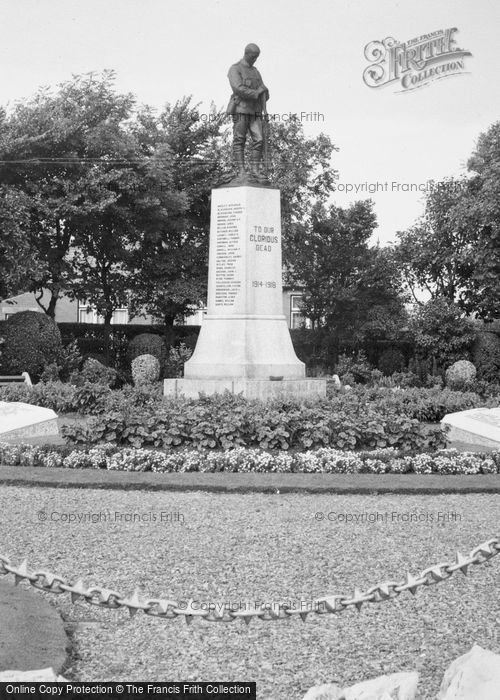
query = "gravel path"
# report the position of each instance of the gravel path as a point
(260, 547)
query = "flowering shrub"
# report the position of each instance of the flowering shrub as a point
(140, 460)
(250, 460)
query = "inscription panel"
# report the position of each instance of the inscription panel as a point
(228, 255)
(245, 253)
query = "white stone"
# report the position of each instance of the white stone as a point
(336, 381)
(395, 686)
(43, 674)
(245, 333)
(473, 676)
(19, 420)
(477, 425)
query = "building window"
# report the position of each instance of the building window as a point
(87, 314)
(195, 319)
(120, 316)
(297, 318)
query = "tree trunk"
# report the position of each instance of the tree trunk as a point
(169, 332)
(51, 308)
(107, 335)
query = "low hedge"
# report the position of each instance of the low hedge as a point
(62, 398)
(427, 405)
(322, 461)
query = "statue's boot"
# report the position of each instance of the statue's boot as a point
(257, 173)
(239, 164)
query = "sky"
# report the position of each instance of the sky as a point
(312, 60)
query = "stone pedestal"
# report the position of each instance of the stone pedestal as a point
(244, 344)
(249, 388)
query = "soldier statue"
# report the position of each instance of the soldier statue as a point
(247, 108)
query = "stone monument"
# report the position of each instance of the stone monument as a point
(477, 426)
(22, 421)
(244, 344)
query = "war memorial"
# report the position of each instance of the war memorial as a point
(244, 344)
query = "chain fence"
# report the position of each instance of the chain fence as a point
(167, 609)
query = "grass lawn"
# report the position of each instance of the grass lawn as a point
(251, 547)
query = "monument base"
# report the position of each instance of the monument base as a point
(479, 426)
(264, 389)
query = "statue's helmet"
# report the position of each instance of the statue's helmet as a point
(252, 48)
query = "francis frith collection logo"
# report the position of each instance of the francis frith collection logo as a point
(414, 63)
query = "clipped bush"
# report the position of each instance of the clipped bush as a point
(147, 344)
(145, 370)
(486, 354)
(31, 342)
(391, 360)
(460, 375)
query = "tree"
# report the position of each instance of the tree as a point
(172, 258)
(118, 200)
(348, 286)
(51, 148)
(132, 196)
(435, 253)
(17, 260)
(454, 251)
(481, 211)
(301, 168)
(441, 333)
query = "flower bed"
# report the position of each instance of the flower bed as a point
(423, 404)
(240, 459)
(365, 418)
